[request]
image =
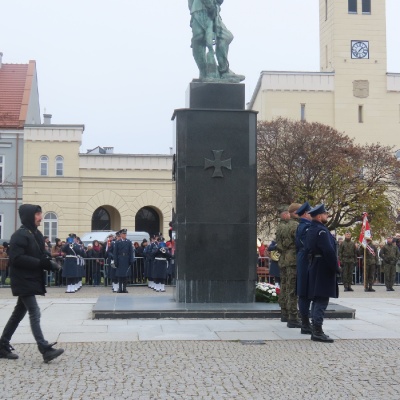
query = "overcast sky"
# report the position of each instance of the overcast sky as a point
(121, 67)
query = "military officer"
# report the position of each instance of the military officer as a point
(302, 267)
(286, 244)
(123, 256)
(348, 259)
(390, 254)
(371, 263)
(71, 269)
(282, 267)
(322, 273)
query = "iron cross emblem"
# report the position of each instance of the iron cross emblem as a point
(218, 164)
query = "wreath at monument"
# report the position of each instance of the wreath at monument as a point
(267, 293)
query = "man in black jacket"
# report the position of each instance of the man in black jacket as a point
(28, 260)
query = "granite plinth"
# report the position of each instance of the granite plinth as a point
(122, 306)
(216, 187)
(221, 96)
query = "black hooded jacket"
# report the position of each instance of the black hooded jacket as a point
(27, 247)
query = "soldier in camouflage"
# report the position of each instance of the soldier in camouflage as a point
(348, 258)
(390, 254)
(286, 244)
(371, 263)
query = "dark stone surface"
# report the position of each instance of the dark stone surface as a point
(122, 306)
(215, 207)
(221, 96)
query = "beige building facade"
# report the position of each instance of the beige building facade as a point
(98, 190)
(352, 92)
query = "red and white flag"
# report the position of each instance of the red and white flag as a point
(366, 234)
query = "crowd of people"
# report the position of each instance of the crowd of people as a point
(307, 263)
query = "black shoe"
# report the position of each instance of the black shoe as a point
(388, 289)
(120, 291)
(391, 289)
(306, 328)
(49, 353)
(293, 323)
(125, 291)
(370, 290)
(346, 289)
(284, 319)
(350, 289)
(6, 351)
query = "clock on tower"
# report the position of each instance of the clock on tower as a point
(359, 49)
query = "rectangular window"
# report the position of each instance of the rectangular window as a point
(360, 114)
(326, 57)
(352, 6)
(1, 225)
(366, 6)
(303, 112)
(326, 10)
(2, 160)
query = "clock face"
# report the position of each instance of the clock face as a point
(359, 49)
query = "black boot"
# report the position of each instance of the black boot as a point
(6, 351)
(284, 317)
(370, 288)
(293, 323)
(49, 353)
(318, 335)
(306, 328)
(124, 288)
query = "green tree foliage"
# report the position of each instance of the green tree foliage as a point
(299, 161)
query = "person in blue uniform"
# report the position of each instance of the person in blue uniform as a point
(322, 273)
(302, 267)
(162, 256)
(110, 260)
(123, 255)
(71, 269)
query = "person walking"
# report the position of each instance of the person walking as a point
(28, 261)
(322, 273)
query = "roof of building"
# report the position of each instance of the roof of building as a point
(15, 88)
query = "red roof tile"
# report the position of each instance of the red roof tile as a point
(15, 87)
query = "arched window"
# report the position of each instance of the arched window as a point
(147, 220)
(50, 226)
(44, 166)
(397, 154)
(59, 166)
(101, 220)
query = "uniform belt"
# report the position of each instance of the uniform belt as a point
(159, 258)
(124, 254)
(72, 256)
(317, 255)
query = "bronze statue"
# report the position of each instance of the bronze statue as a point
(209, 30)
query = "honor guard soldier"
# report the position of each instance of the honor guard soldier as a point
(322, 273)
(390, 254)
(110, 260)
(123, 255)
(348, 259)
(71, 269)
(302, 267)
(162, 256)
(371, 263)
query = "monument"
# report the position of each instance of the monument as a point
(215, 172)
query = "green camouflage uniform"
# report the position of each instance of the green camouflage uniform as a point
(371, 263)
(282, 268)
(347, 258)
(286, 245)
(390, 254)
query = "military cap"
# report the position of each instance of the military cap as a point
(303, 209)
(144, 240)
(118, 233)
(319, 209)
(294, 207)
(124, 231)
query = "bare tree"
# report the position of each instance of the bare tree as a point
(299, 161)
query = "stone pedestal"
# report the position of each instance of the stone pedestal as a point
(216, 187)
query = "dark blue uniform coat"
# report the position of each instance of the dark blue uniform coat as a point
(324, 266)
(302, 260)
(123, 257)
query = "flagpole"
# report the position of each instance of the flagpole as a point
(365, 268)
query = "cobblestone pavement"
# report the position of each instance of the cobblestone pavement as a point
(207, 370)
(151, 370)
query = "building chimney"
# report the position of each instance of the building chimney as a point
(1, 59)
(47, 119)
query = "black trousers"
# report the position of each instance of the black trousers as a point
(25, 304)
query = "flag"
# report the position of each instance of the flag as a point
(366, 234)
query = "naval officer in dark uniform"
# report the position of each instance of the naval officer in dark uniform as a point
(123, 256)
(322, 273)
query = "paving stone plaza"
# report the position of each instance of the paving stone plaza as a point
(204, 359)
